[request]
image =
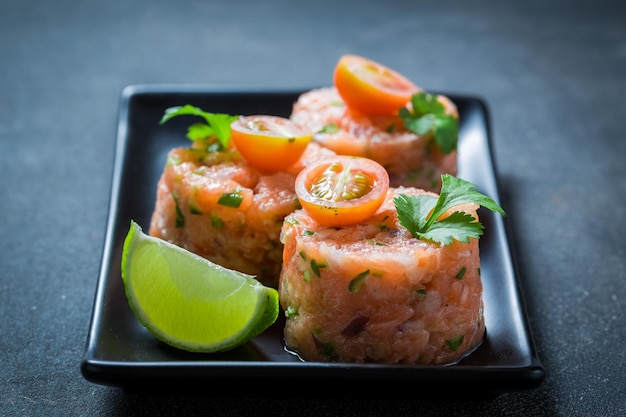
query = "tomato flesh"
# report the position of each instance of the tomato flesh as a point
(370, 88)
(342, 190)
(269, 142)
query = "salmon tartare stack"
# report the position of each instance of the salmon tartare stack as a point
(373, 292)
(223, 208)
(351, 120)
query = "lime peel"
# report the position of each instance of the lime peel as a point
(190, 302)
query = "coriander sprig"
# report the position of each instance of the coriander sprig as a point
(217, 124)
(420, 213)
(428, 115)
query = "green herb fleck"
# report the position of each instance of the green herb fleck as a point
(460, 274)
(327, 350)
(172, 160)
(315, 267)
(233, 199)
(420, 213)
(329, 128)
(455, 343)
(180, 218)
(291, 311)
(357, 282)
(216, 221)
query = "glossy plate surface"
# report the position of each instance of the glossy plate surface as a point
(120, 352)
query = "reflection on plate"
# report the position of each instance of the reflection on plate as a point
(121, 352)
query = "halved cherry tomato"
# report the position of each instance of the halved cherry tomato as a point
(342, 190)
(269, 142)
(371, 88)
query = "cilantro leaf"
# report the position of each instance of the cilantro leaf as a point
(413, 211)
(455, 191)
(446, 132)
(458, 226)
(420, 213)
(221, 126)
(428, 115)
(425, 103)
(199, 131)
(216, 124)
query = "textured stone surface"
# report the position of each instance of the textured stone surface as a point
(552, 73)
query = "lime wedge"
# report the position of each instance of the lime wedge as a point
(189, 302)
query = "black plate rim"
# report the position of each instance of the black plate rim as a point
(127, 374)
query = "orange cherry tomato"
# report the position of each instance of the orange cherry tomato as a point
(342, 190)
(269, 142)
(371, 88)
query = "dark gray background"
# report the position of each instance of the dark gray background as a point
(552, 72)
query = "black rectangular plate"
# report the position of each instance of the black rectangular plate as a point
(120, 352)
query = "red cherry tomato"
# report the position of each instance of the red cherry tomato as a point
(342, 190)
(371, 88)
(269, 142)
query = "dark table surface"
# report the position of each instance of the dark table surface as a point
(553, 74)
